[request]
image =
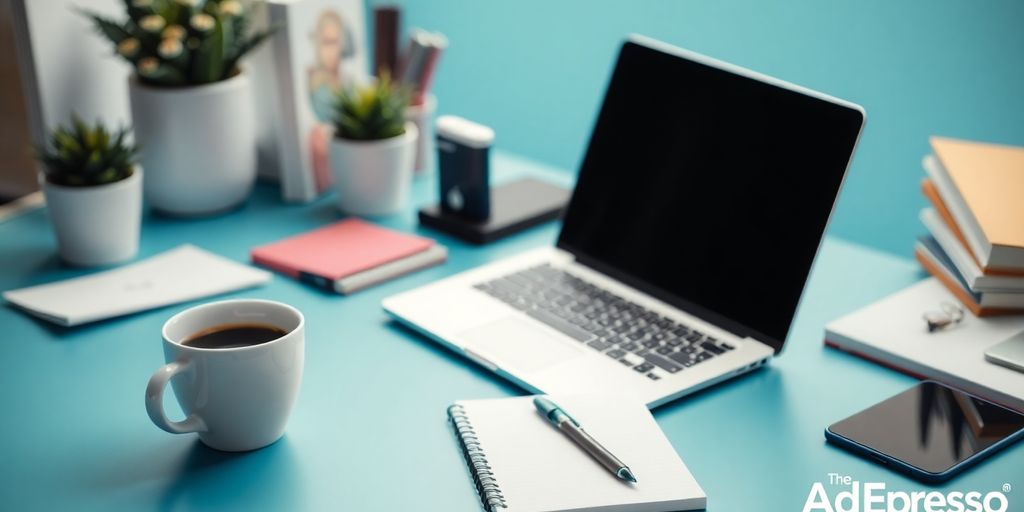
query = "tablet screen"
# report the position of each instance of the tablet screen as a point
(930, 426)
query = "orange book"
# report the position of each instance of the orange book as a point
(982, 186)
(932, 194)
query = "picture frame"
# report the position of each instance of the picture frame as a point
(320, 47)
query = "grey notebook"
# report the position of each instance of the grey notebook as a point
(520, 462)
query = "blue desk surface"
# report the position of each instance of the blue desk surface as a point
(369, 429)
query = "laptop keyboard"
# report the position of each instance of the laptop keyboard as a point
(638, 338)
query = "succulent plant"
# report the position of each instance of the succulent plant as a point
(79, 155)
(182, 42)
(371, 112)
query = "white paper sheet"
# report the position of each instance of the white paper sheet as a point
(178, 275)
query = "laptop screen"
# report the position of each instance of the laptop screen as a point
(708, 189)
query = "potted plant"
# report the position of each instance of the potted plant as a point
(93, 191)
(373, 149)
(190, 101)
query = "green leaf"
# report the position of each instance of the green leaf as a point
(102, 137)
(227, 41)
(171, 11)
(208, 64)
(107, 175)
(112, 30)
(371, 112)
(165, 76)
(66, 142)
(83, 155)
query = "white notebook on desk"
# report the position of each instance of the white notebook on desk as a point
(181, 274)
(520, 462)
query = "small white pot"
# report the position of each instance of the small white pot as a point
(373, 177)
(96, 225)
(198, 144)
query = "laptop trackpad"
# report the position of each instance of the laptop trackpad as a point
(518, 344)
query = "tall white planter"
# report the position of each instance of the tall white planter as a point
(198, 144)
(373, 177)
(96, 225)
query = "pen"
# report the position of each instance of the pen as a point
(572, 429)
(419, 62)
(438, 42)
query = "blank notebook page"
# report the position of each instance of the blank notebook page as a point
(540, 469)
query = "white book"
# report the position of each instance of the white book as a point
(527, 464)
(181, 274)
(976, 280)
(956, 205)
(259, 63)
(892, 332)
(320, 47)
(66, 66)
(938, 264)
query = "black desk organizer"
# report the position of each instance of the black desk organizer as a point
(515, 206)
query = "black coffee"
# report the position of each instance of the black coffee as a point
(234, 336)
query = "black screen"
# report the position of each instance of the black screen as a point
(930, 426)
(708, 189)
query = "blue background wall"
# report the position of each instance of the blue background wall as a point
(535, 71)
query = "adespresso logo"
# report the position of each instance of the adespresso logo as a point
(873, 497)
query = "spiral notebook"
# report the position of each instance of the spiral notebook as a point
(520, 462)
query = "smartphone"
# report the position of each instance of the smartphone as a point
(930, 431)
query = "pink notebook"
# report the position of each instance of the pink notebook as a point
(342, 249)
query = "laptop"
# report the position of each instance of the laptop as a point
(699, 208)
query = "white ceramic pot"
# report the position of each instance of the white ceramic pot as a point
(373, 177)
(96, 225)
(198, 144)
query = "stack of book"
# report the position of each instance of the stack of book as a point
(975, 245)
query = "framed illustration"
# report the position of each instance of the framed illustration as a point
(320, 47)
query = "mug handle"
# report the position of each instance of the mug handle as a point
(155, 400)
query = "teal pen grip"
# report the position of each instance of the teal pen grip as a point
(552, 412)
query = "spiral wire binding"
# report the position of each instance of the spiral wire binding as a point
(483, 477)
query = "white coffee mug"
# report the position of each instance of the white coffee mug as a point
(239, 398)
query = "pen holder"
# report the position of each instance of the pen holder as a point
(426, 147)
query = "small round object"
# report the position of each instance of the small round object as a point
(455, 199)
